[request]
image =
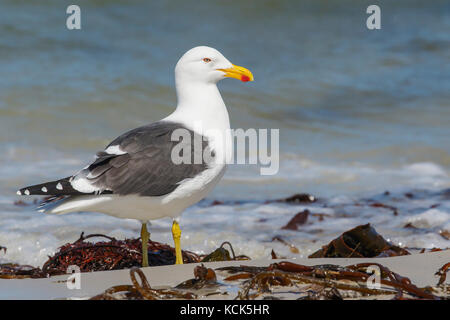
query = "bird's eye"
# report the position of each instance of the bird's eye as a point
(206, 60)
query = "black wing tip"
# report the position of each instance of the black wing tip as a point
(33, 190)
(51, 188)
(24, 192)
(56, 188)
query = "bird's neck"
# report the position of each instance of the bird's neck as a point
(200, 104)
(201, 108)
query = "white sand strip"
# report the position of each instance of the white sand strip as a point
(420, 268)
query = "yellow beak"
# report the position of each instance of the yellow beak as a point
(239, 73)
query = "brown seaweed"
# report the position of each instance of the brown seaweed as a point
(385, 206)
(141, 290)
(110, 255)
(323, 293)
(326, 279)
(203, 277)
(361, 241)
(442, 273)
(317, 282)
(222, 254)
(16, 271)
(103, 255)
(292, 248)
(445, 234)
(299, 219)
(296, 198)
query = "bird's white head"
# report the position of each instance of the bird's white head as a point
(207, 65)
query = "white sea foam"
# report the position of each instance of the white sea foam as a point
(430, 219)
(250, 226)
(426, 169)
(339, 178)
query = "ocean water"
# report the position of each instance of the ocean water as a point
(359, 112)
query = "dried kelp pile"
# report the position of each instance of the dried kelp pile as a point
(330, 282)
(16, 271)
(112, 254)
(287, 280)
(98, 256)
(141, 290)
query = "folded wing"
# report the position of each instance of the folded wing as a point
(138, 162)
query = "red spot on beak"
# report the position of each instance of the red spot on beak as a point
(245, 78)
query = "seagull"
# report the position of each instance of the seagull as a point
(139, 175)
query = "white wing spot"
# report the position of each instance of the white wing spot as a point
(83, 185)
(59, 186)
(27, 192)
(19, 193)
(114, 150)
(44, 189)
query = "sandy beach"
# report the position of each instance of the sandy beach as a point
(419, 268)
(362, 117)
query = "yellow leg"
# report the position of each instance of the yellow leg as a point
(176, 233)
(144, 238)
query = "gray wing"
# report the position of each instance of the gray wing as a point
(138, 162)
(143, 163)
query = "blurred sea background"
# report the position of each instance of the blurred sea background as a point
(360, 112)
